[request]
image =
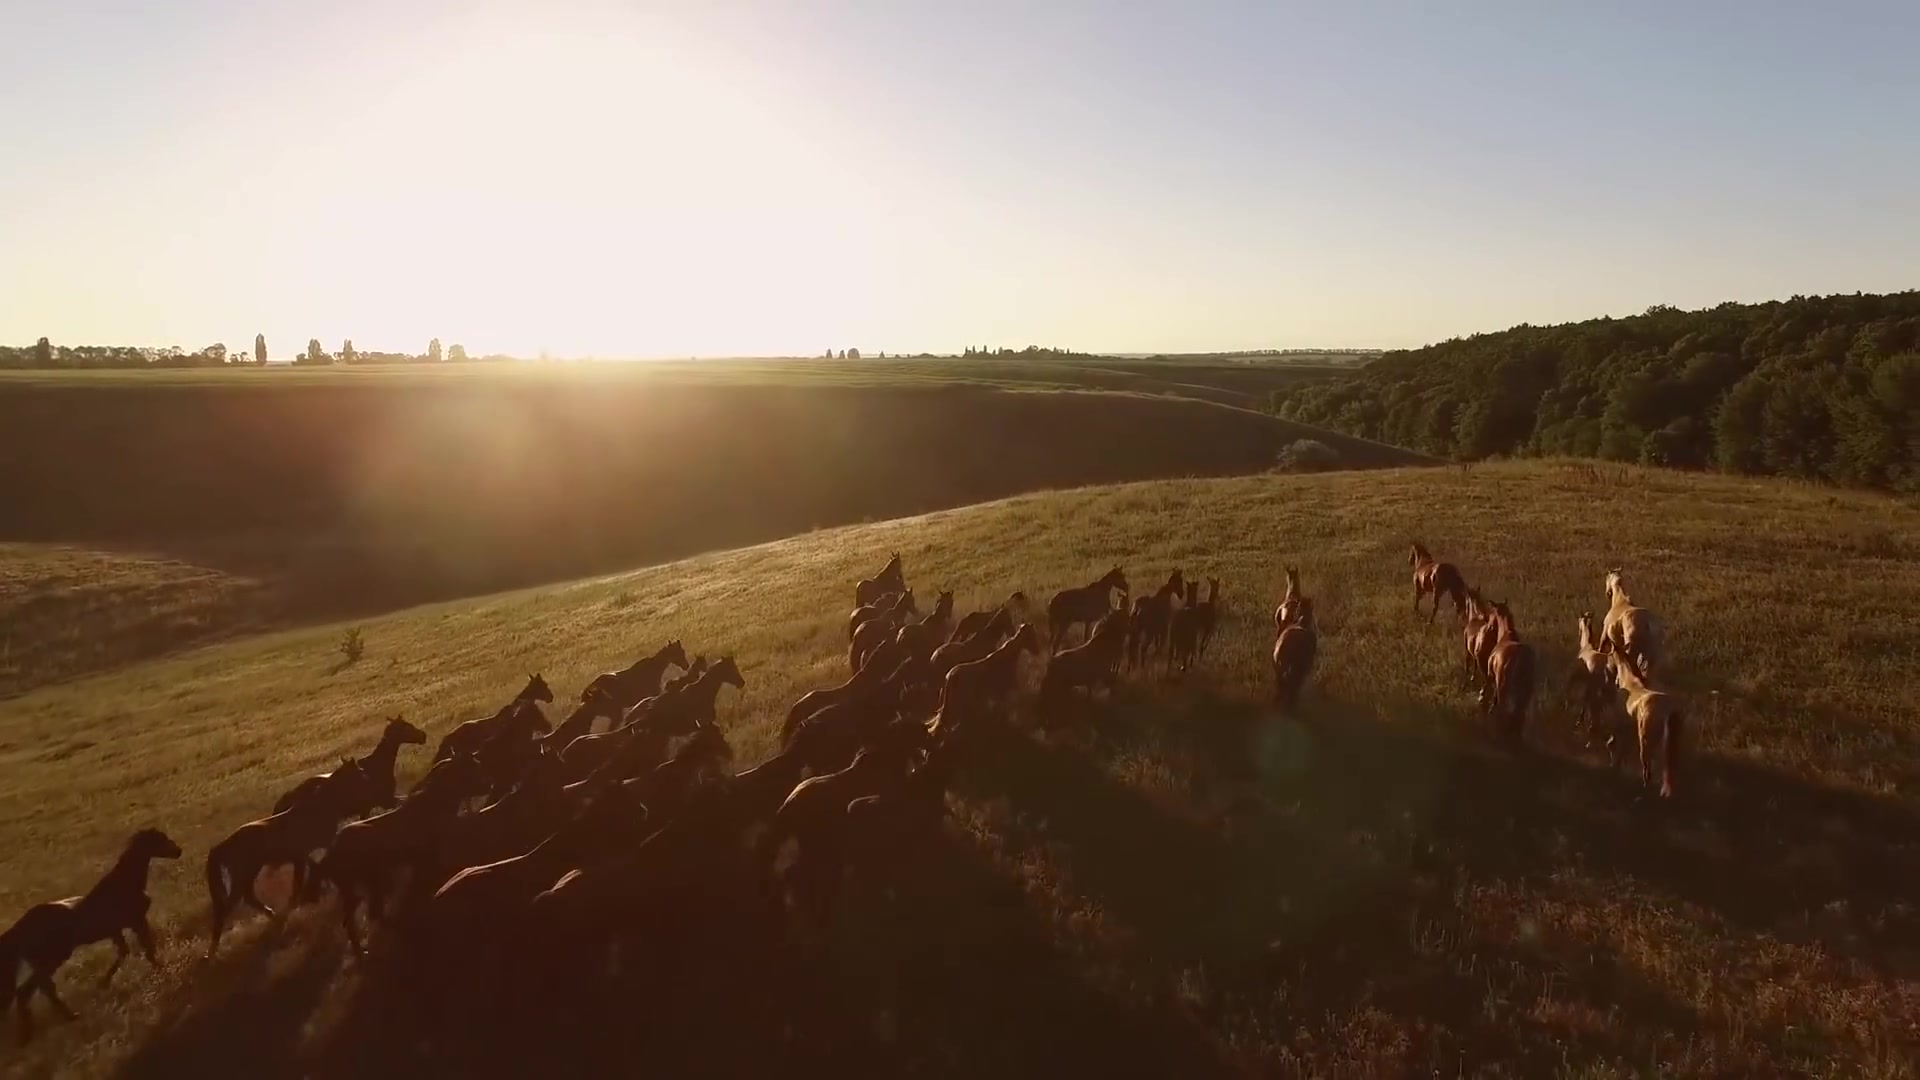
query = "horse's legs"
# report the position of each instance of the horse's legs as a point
(120, 953)
(1646, 750)
(42, 980)
(143, 933)
(249, 889)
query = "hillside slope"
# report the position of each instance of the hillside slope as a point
(372, 491)
(1398, 896)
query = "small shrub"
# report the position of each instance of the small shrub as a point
(1309, 455)
(352, 645)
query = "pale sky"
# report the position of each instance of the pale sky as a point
(712, 177)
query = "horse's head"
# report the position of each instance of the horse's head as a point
(1176, 582)
(1616, 586)
(152, 844)
(1584, 626)
(675, 654)
(1502, 614)
(1116, 578)
(727, 672)
(943, 605)
(536, 690)
(403, 733)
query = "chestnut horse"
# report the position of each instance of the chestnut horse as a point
(1510, 676)
(1183, 631)
(1436, 579)
(45, 936)
(1289, 610)
(1293, 655)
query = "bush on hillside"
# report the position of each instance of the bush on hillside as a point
(1309, 455)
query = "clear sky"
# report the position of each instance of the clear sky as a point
(713, 177)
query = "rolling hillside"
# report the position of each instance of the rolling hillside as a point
(1386, 893)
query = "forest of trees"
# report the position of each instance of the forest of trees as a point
(44, 354)
(1823, 388)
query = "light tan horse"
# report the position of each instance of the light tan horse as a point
(1633, 631)
(1289, 610)
(1293, 654)
(1479, 635)
(1589, 682)
(1657, 717)
(1511, 669)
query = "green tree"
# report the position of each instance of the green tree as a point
(43, 353)
(457, 354)
(259, 348)
(433, 351)
(316, 354)
(347, 355)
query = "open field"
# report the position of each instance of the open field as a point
(1386, 895)
(288, 499)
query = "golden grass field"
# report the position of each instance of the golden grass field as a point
(1387, 894)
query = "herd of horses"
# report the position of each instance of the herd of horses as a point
(530, 845)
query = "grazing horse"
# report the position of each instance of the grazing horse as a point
(365, 855)
(378, 766)
(1087, 666)
(289, 837)
(1087, 605)
(641, 679)
(1152, 619)
(975, 689)
(469, 736)
(891, 578)
(977, 621)
(1633, 631)
(45, 936)
(1436, 579)
(1289, 610)
(1183, 631)
(1206, 615)
(1293, 655)
(1657, 717)
(1590, 682)
(982, 641)
(1510, 676)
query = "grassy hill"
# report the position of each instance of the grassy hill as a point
(1388, 894)
(248, 498)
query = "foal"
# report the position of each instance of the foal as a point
(47, 935)
(1206, 615)
(1436, 579)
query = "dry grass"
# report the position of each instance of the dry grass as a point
(1389, 895)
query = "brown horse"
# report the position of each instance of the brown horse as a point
(1086, 666)
(1152, 619)
(689, 677)
(978, 688)
(378, 765)
(469, 736)
(1479, 635)
(537, 805)
(1288, 612)
(961, 650)
(1657, 717)
(893, 606)
(514, 742)
(592, 707)
(692, 704)
(1183, 631)
(921, 636)
(1293, 656)
(878, 666)
(1510, 676)
(45, 936)
(814, 816)
(877, 630)
(976, 621)
(891, 578)
(641, 679)
(1086, 605)
(365, 855)
(1436, 579)
(286, 838)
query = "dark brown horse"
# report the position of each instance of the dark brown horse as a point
(592, 707)
(976, 621)
(979, 689)
(891, 578)
(1083, 606)
(1183, 631)
(1087, 666)
(469, 736)
(43, 938)
(894, 607)
(878, 666)
(638, 680)
(1436, 579)
(514, 742)
(1152, 620)
(377, 765)
(923, 635)
(366, 855)
(1293, 656)
(1206, 615)
(963, 650)
(814, 816)
(286, 838)
(536, 806)
(877, 629)
(688, 677)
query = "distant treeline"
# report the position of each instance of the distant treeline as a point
(45, 354)
(1824, 387)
